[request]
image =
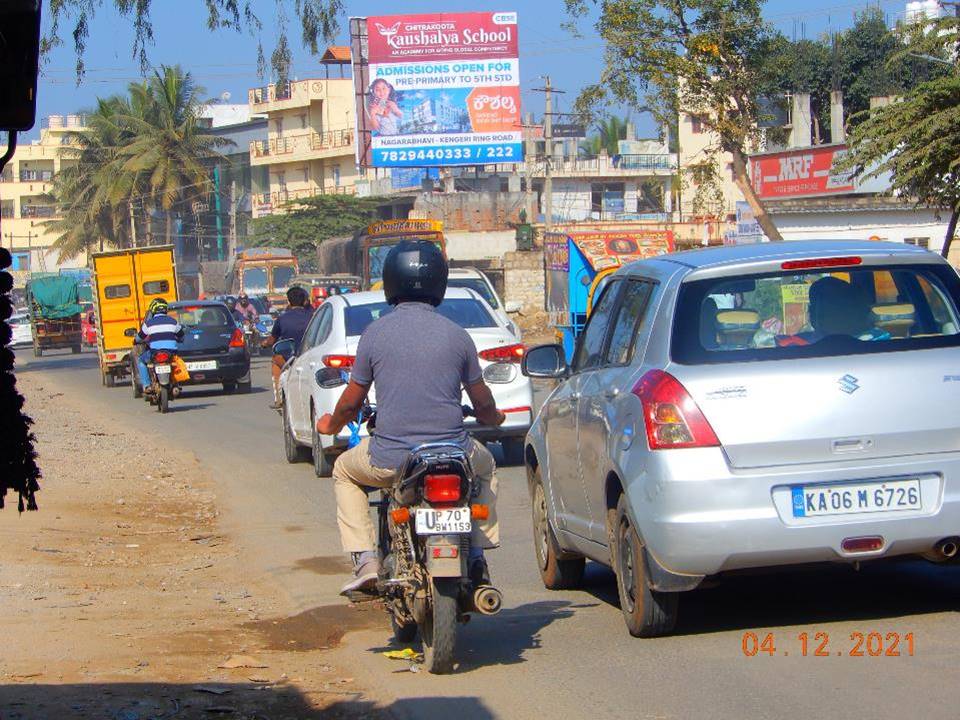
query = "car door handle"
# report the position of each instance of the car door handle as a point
(574, 396)
(612, 393)
(313, 365)
(299, 369)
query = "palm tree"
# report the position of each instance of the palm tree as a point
(609, 133)
(164, 162)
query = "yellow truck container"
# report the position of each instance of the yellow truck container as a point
(124, 284)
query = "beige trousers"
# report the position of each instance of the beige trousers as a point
(353, 472)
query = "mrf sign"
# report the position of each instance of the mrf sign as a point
(807, 172)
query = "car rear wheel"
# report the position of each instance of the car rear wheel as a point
(76, 349)
(648, 613)
(322, 464)
(229, 387)
(556, 571)
(244, 387)
(294, 452)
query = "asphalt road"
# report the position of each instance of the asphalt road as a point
(567, 654)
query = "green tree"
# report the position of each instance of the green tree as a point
(610, 131)
(312, 220)
(163, 162)
(318, 23)
(701, 57)
(917, 138)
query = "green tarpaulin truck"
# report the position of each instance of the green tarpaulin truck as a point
(53, 303)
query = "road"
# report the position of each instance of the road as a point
(563, 654)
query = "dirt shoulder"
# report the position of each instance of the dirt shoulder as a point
(121, 598)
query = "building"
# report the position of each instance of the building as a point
(309, 147)
(696, 146)
(25, 203)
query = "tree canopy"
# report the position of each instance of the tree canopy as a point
(312, 220)
(318, 20)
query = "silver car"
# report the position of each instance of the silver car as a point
(747, 407)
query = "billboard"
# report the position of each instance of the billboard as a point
(436, 90)
(800, 173)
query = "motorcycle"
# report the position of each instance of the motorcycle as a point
(423, 528)
(251, 335)
(162, 380)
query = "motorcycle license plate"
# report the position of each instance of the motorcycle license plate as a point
(202, 365)
(160, 369)
(442, 522)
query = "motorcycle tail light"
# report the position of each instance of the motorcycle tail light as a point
(236, 341)
(161, 357)
(441, 488)
(401, 516)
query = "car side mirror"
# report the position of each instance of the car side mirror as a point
(513, 306)
(285, 349)
(545, 361)
(330, 378)
(130, 332)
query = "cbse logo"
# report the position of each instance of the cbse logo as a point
(505, 18)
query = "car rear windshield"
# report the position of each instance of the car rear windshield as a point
(478, 286)
(467, 314)
(202, 316)
(816, 313)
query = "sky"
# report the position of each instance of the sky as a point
(225, 61)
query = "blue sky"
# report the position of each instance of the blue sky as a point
(225, 61)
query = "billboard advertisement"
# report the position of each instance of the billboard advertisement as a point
(807, 172)
(436, 90)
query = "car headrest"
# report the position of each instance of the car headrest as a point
(742, 319)
(897, 318)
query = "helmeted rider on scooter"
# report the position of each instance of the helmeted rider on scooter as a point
(158, 332)
(248, 313)
(419, 361)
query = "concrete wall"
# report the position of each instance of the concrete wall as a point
(470, 211)
(480, 245)
(889, 225)
(524, 281)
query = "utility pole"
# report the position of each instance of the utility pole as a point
(133, 226)
(548, 91)
(232, 237)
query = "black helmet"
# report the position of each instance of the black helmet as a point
(415, 270)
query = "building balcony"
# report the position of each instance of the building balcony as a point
(300, 93)
(611, 166)
(64, 122)
(301, 146)
(277, 201)
(38, 211)
(36, 175)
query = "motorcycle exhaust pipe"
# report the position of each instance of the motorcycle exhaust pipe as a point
(176, 391)
(487, 600)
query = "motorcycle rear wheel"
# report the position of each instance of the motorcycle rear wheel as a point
(439, 628)
(163, 399)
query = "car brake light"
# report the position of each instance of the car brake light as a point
(821, 263)
(338, 361)
(161, 357)
(441, 488)
(503, 353)
(671, 416)
(236, 341)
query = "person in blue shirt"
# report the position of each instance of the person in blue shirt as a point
(158, 332)
(291, 325)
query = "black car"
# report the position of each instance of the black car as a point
(213, 346)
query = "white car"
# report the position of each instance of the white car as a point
(480, 283)
(331, 341)
(22, 330)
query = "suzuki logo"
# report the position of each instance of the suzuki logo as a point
(849, 384)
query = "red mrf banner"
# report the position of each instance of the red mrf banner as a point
(439, 89)
(800, 173)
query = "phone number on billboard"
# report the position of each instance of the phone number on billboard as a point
(466, 153)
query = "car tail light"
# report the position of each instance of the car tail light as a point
(236, 341)
(338, 361)
(161, 357)
(672, 418)
(821, 263)
(503, 353)
(441, 488)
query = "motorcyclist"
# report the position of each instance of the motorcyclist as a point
(248, 313)
(418, 401)
(231, 303)
(291, 325)
(158, 332)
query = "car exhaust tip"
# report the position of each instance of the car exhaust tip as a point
(487, 600)
(947, 548)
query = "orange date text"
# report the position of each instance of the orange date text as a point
(823, 644)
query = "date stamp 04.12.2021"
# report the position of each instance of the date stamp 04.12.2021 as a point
(822, 644)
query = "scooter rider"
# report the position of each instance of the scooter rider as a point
(248, 313)
(419, 361)
(158, 332)
(291, 325)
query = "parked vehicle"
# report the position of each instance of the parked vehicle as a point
(423, 543)
(54, 306)
(125, 282)
(331, 341)
(748, 407)
(213, 347)
(263, 271)
(22, 331)
(478, 282)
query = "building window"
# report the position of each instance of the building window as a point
(607, 198)
(306, 174)
(282, 180)
(336, 176)
(303, 122)
(696, 124)
(21, 261)
(923, 242)
(279, 122)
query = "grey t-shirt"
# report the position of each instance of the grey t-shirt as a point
(419, 361)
